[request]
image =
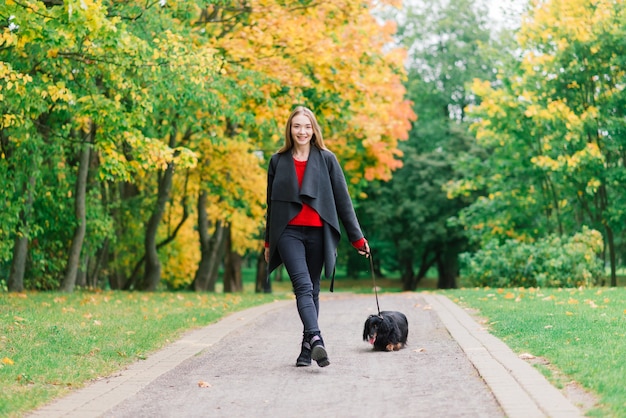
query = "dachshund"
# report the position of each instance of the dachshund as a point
(387, 331)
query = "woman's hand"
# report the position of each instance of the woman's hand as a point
(267, 255)
(364, 250)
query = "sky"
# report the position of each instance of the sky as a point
(506, 12)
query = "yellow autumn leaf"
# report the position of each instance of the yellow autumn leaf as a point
(7, 361)
(509, 295)
(568, 313)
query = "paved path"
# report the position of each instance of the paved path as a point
(244, 366)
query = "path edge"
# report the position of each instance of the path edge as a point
(520, 389)
(100, 396)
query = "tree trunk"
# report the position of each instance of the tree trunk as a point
(20, 245)
(263, 284)
(448, 268)
(425, 265)
(81, 273)
(152, 269)
(612, 256)
(101, 257)
(210, 249)
(18, 265)
(232, 267)
(407, 274)
(73, 261)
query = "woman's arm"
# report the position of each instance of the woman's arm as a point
(343, 202)
(271, 171)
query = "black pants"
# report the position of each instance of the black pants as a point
(302, 251)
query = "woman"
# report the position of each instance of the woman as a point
(307, 196)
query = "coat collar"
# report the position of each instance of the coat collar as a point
(286, 180)
(310, 182)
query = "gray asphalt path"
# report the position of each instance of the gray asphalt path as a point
(244, 366)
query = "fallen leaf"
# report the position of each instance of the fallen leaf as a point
(526, 356)
(7, 361)
(509, 295)
(204, 384)
(419, 350)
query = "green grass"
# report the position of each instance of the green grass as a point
(51, 343)
(582, 333)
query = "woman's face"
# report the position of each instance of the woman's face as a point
(301, 129)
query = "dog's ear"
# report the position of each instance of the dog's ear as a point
(366, 328)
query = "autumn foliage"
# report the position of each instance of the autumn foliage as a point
(167, 101)
(553, 125)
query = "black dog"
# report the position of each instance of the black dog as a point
(387, 331)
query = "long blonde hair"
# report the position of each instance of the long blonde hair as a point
(317, 138)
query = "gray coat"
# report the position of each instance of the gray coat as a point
(323, 188)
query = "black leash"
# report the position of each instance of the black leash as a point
(374, 279)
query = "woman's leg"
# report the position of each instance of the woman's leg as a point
(302, 252)
(299, 250)
(315, 260)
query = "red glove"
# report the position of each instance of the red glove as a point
(362, 247)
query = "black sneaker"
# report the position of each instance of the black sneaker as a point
(318, 352)
(304, 359)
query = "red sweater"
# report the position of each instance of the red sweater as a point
(308, 216)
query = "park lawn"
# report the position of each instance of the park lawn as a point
(580, 332)
(52, 343)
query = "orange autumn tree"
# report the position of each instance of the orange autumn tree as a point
(335, 57)
(328, 56)
(176, 90)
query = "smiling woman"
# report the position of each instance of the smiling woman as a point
(307, 196)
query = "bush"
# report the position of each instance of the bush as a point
(568, 261)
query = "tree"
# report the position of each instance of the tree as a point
(553, 126)
(174, 91)
(81, 216)
(412, 209)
